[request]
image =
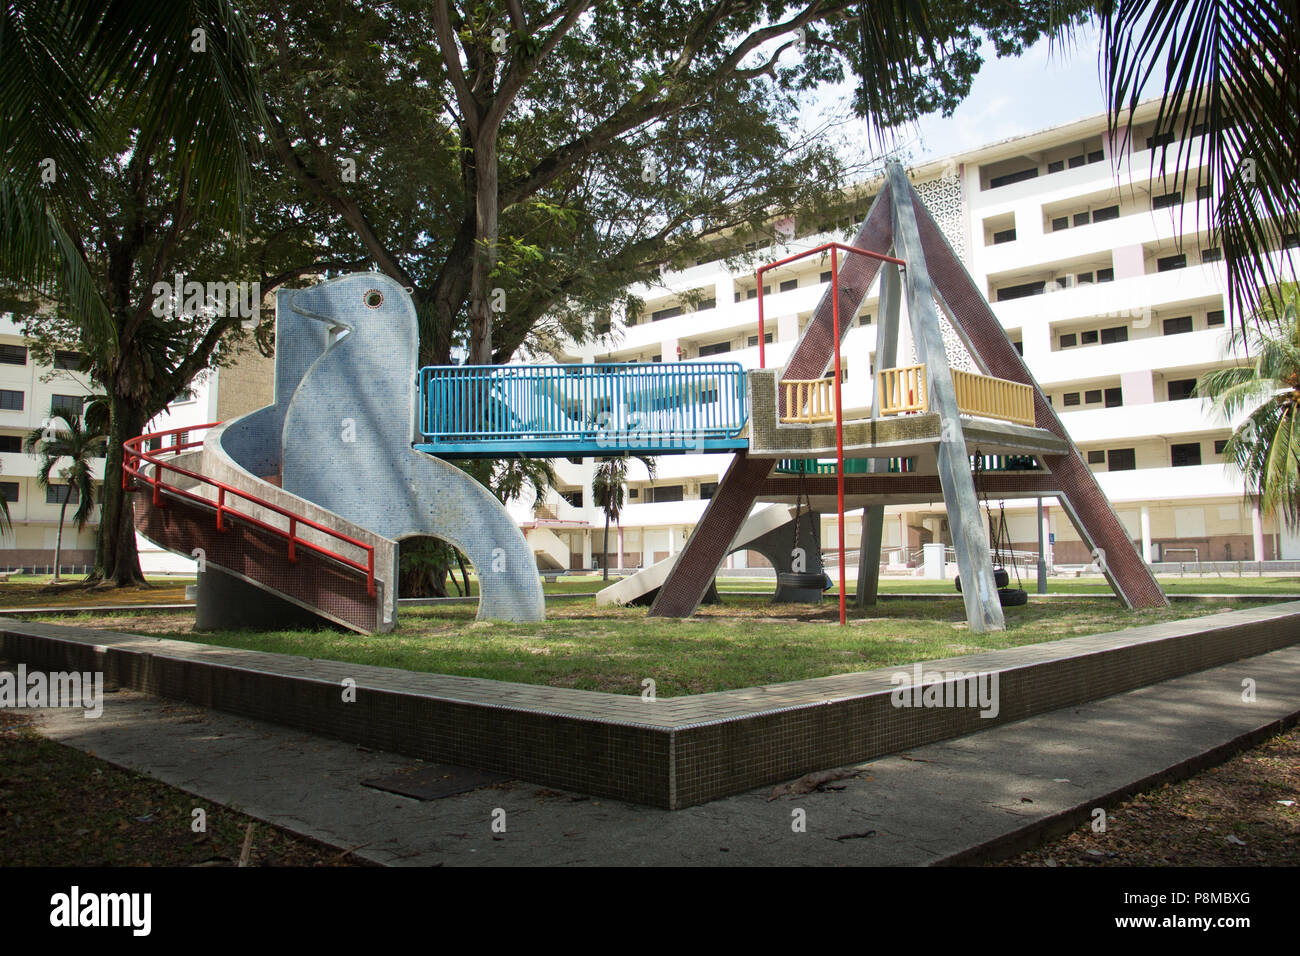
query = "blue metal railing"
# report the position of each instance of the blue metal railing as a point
(672, 406)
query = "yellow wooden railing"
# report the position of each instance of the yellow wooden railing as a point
(903, 390)
(993, 397)
(808, 400)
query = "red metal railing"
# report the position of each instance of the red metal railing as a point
(137, 458)
(835, 248)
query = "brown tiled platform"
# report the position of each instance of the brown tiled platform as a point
(672, 753)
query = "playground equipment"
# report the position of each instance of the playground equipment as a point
(299, 505)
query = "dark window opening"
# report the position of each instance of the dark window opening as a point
(11, 443)
(1114, 397)
(1096, 458)
(1212, 254)
(1214, 318)
(1021, 291)
(1204, 192)
(1181, 388)
(1105, 275)
(1121, 459)
(665, 493)
(55, 494)
(1169, 263)
(1088, 338)
(1070, 399)
(789, 284)
(1077, 161)
(13, 354)
(67, 404)
(1061, 222)
(1166, 201)
(666, 314)
(1182, 456)
(1220, 446)
(1006, 235)
(1016, 177)
(1069, 340)
(708, 489)
(1105, 214)
(1092, 396)
(11, 401)
(1096, 156)
(1118, 333)
(715, 349)
(767, 339)
(1178, 326)
(68, 361)
(9, 490)
(1082, 218)
(1055, 166)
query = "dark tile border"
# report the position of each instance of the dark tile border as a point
(671, 753)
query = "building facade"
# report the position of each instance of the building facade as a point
(1103, 278)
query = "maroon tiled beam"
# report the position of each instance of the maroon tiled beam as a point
(312, 580)
(1079, 492)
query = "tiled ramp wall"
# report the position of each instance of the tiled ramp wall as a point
(671, 753)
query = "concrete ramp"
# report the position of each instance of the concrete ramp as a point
(652, 578)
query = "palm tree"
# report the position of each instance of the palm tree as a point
(1265, 448)
(68, 438)
(608, 488)
(1230, 65)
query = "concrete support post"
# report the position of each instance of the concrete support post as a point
(873, 516)
(620, 547)
(1257, 530)
(1042, 549)
(969, 536)
(1146, 533)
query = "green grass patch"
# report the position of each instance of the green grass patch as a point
(742, 643)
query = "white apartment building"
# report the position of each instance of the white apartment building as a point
(1102, 277)
(31, 393)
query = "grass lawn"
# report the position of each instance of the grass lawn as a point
(742, 643)
(39, 590)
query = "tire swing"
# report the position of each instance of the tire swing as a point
(800, 587)
(999, 534)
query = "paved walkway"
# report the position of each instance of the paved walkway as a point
(928, 806)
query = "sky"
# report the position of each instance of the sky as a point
(1044, 87)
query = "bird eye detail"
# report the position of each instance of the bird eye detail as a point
(374, 299)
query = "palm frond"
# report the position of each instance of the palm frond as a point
(1230, 65)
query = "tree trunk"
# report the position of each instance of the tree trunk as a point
(460, 559)
(604, 550)
(117, 562)
(487, 210)
(58, 540)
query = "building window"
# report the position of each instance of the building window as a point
(1114, 397)
(864, 318)
(708, 489)
(657, 358)
(753, 339)
(1160, 139)
(1214, 318)
(1020, 291)
(716, 349)
(1092, 396)
(1178, 326)
(1060, 222)
(1181, 389)
(1088, 338)
(1182, 456)
(54, 494)
(9, 489)
(1081, 218)
(1096, 458)
(1166, 201)
(1117, 333)
(666, 314)
(68, 361)
(1204, 192)
(1212, 254)
(1077, 161)
(1055, 166)
(789, 284)
(1069, 340)
(1121, 459)
(1169, 263)
(664, 493)
(1006, 235)
(1220, 445)
(1105, 213)
(1096, 156)
(13, 354)
(1008, 178)
(67, 405)
(11, 401)
(1083, 278)
(11, 443)
(1105, 275)
(575, 497)
(1070, 398)
(1019, 347)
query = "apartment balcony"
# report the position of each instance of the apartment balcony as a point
(1165, 484)
(1125, 299)
(1127, 423)
(1087, 363)
(659, 513)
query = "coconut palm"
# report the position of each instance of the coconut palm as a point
(68, 438)
(1265, 448)
(1230, 65)
(609, 489)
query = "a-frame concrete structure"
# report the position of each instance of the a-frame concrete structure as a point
(940, 436)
